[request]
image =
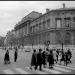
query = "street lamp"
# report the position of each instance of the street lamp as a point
(47, 43)
(62, 46)
(62, 40)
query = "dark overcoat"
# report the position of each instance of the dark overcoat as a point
(50, 59)
(6, 58)
(44, 55)
(15, 55)
(34, 59)
(69, 55)
(39, 59)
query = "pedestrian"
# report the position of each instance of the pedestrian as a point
(59, 58)
(7, 58)
(34, 59)
(69, 55)
(63, 56)
(57, 53)
(66, 59)
(55, 56)
(15, 54)
(47, 53)
(51, 59)
(39, 59)
(44, 58)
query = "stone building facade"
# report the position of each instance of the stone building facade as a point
(22, 29)
(57, 26)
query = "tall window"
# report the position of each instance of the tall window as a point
(23, 31)
(31, 31)
(67, 22)
(35, 28)
(39, 26)
(44, 24)
(58, 22)
(48, 23)
(58, 35)
(26, 29)
(67, 38)
(73, 19)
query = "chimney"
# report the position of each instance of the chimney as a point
(47, 10)
(63, 5)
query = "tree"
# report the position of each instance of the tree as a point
(2, 41)
(11, 39)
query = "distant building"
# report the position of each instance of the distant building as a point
(57, 26)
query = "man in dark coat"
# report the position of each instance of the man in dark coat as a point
(47, 53)
(6, 58)
(69, 56)
(57, 54)
(66, 59)
(63, 56)
(51, 59)
(34, 59)
(44, 55)
(15, 54)
(39, 59)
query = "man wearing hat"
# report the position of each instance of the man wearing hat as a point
(34, 59)
(39, 59)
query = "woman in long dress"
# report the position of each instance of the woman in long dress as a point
(59, 57)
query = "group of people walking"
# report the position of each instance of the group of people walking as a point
(43, 58)
(7, 57)
(63, 56)
(48, 58)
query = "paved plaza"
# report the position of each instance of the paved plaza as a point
(46, 26)
(23, 63)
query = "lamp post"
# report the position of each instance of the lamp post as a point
(47, 43)
(62, 46)
(62, 40)
(39, 35)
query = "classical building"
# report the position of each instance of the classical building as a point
(22, 29)
(56, 26)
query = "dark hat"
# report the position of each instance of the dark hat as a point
(34, 50)
(47, 49)
(51, 51)
(40, 49)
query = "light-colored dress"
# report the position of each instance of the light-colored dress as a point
(59, 56)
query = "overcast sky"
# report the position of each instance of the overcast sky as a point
(11, 12)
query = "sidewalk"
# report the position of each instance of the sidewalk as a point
(72, 64)
(73, 60)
